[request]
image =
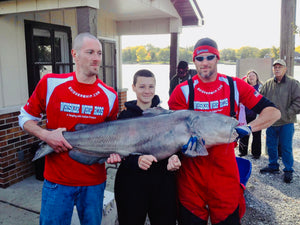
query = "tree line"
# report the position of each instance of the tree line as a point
(151, 54)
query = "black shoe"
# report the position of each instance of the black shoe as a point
(256, 156)
(269, 170)
(288, 176)
(242, 154)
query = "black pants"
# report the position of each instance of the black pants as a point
(256, 143)
(188, 218)
(139, 193)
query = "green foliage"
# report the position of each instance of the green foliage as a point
(228, 54)
(126, 55)
(153, 51)
(264, 53)
(164, 55)
(275, 52)
(142, 54)
(149, 53)
(247, 52)
(185, 54)
(129, 55)
(296, 29)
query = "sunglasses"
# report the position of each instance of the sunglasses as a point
(208, 58)
(182, 71)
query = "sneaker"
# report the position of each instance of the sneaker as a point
(269, 170)
(256, 157)
(288, 176)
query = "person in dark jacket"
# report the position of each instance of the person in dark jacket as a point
(252, 79)
(143, 185)
(183, 74)
(284, 91)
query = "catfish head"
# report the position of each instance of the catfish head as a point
(212, 128)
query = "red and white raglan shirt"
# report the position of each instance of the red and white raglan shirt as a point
(212, 180)
(66, 103)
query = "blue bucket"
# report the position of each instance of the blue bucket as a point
(245, 169)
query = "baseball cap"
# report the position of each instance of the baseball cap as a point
(279, 61)
(182, 65)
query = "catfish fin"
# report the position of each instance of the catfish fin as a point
(201, 149)
(136, 153)
(85, 158)
(198, 150)
(155, 111)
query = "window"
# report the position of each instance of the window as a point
(108, 72)
(48, 50)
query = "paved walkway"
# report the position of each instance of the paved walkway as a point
(20, 203)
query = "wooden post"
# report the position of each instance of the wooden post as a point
(173, 54)
(287, 36)
(87, 20)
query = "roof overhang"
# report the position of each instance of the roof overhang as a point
(153, 16)
(162, 16)
(189, 11)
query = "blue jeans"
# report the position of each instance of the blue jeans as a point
(283, 135)
(58, 202)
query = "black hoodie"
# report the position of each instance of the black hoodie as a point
(131, 111)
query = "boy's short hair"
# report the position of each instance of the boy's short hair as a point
(142, 73)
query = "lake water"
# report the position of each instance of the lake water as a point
(161, 73)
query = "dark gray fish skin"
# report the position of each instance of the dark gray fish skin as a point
(160, 133)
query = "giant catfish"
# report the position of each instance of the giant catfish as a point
(158, 132)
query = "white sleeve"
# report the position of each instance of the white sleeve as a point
(24, 117)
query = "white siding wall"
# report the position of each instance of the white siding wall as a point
(13, 68)
(21, 6)
(13, 63)
(106, 25)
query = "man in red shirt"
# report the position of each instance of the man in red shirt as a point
(209, 186)
(67, 100)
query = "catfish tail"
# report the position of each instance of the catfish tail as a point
(43, 150)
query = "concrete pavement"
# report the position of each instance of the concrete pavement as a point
(20, 203)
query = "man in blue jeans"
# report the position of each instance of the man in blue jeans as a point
(284, 92)
(68, 99)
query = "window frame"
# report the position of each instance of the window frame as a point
(113, 66)
(32, 75)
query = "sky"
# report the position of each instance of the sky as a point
(231, 23)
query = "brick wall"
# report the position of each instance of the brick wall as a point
(17, 148)
(122, 95)
(15, 151)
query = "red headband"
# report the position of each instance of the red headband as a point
(205, 49)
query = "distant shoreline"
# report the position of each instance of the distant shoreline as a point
(164, 63)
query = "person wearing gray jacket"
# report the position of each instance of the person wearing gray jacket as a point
(284, 92)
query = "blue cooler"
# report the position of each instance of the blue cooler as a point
(245, 169)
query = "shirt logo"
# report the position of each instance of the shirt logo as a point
(83, 96)
(211, 105)
(69, 107)
(210, 92)
(81, 109)
(201, 105)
